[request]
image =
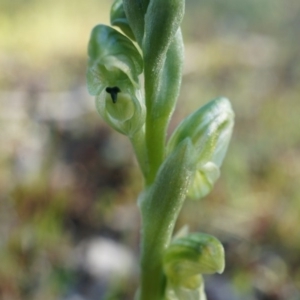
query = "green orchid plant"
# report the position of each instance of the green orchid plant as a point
(135, 75)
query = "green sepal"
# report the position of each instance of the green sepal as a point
(174, 292)
(127, 115)
(203, 180)
(210, 129)
(118, 18)
(162, 21)
(190, 256)
(113, 61)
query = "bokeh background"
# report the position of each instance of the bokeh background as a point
(69, 225)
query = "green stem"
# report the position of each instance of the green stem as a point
(155, 141)
(155, 133)
(138, 144)
(155, 239)
(153, 281)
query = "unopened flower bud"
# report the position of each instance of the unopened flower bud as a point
(189, 257)
(210, 130)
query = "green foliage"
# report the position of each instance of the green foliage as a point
(191, 159)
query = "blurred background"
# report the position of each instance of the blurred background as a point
(69, 225)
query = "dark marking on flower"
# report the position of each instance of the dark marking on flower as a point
(113, 91)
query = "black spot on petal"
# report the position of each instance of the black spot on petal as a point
(113, 91)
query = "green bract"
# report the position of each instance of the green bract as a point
(163, 200)
(160, 205)
(118, 18)
(190, 256)
(162, 21)
(169, 80)
(210, 130)
(113, 61)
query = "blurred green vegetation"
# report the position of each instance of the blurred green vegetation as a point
(65, 176)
